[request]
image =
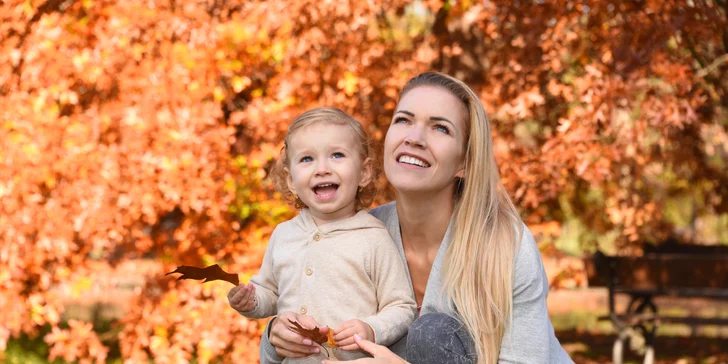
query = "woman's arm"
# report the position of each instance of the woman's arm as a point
(528, 337)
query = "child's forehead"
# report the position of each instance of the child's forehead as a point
(342, 129)
(324, 123)
(325, 133)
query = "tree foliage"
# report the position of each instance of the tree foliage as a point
(144, 129)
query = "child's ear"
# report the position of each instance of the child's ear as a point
(367, 172)
(289, 181)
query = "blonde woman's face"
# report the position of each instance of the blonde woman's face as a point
(425, 144)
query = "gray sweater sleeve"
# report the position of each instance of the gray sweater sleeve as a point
(530, 337)
(267, 351)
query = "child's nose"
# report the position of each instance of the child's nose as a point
(322, 168)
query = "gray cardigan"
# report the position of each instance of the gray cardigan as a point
(529, 339)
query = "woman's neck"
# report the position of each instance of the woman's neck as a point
(424, 221)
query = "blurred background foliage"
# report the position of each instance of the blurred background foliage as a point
(137, 136)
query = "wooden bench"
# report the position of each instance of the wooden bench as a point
(672, 270)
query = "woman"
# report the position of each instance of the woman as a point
(475, 269)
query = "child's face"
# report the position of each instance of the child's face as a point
(326, 170)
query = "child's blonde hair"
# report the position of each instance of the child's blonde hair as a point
(330, 115)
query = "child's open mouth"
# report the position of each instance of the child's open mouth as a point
(325, 191)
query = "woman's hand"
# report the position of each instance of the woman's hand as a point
(382, 354)
(288, 343)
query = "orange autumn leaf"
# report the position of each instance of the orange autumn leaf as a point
(330, 338)
(209, 274)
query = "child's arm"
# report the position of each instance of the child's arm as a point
(259, 298)
(397, 307)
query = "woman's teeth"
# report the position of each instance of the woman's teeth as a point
(413, 161)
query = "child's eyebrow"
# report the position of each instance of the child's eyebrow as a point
(338, 147)
(300, 151)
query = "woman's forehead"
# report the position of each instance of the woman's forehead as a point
(429, 101)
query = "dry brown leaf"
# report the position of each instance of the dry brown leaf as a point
(315, 334)
(209, 274)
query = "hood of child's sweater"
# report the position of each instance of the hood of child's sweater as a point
(362, 220)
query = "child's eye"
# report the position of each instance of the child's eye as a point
(442, 128)
(337, 155)
(306, 159)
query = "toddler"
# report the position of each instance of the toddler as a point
(334, 261)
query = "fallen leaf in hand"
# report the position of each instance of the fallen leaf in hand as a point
(330, 338)
(211, 273)
(315, 334)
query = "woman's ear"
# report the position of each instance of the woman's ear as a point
(367, 172)
(461, 172)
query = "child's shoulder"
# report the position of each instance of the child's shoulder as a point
(371, 230)
(365, 221)
(293, 224)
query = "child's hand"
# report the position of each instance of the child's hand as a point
(242, 298)
(344, 334)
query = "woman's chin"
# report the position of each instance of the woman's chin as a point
(419, 186)
(412, 187)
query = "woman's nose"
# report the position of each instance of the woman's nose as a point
(415, 138)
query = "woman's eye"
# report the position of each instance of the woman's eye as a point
(337, 155)
(306, 159)
(400, 119)
(442, 128)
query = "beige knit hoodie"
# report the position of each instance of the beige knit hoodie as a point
(336, 272)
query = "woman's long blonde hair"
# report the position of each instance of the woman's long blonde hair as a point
(479, 266)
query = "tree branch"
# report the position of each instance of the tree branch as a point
(712, 66)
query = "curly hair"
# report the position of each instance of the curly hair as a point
(280, 172)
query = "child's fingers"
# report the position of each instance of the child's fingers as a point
(341, 327)
(306, 321)
(346, 333)
(242, 299)
(233, 291)
(353, 346)
(237, 298)
(344, 326)
(345, 342)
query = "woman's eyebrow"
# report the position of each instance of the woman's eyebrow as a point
(440, 118)
(433, 118)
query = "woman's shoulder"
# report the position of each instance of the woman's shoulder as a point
(528, 263)
(385, 213)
